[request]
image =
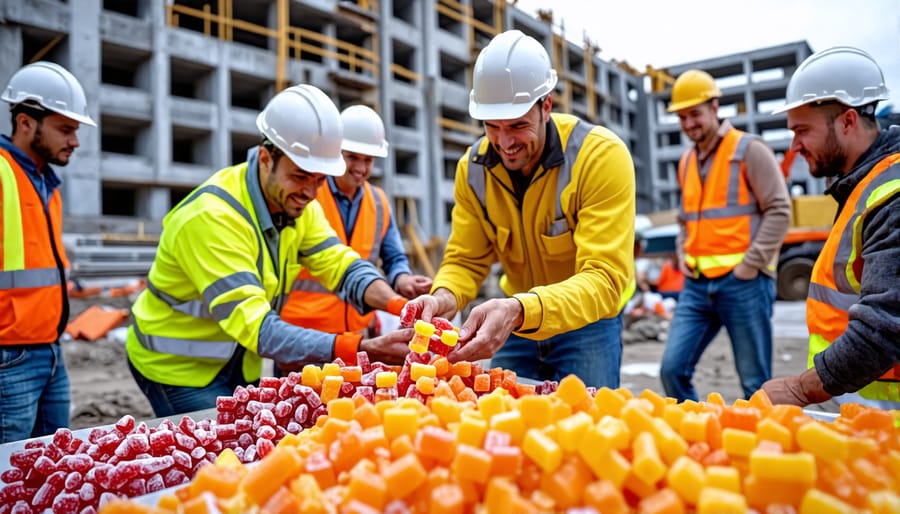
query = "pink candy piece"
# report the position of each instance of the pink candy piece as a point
(283, 409)
(226, 403)
(243, 425)
(362, 360)
(226, 432)
(62, 437)
(125, 424)
(273, 382)
(134, 488)
(302, 413)
(250, 454)
(268, 394)
(12, 475)
(160, 440)
(87, 492)
(187, 424)
(198, 453)
(182, 459)
(44, 465)
(12, 492)
(66, 503)
(241, 395)
(174, 477)
(24, 459)
(185, 442)
(436, 346)
(80, 462)
(74, 481)
(408, 315)
(265, 432)
(441, 323)
(367, 392)
(155, 483)
(154, 465)
(264, 447)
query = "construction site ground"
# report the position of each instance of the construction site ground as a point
(103, 389)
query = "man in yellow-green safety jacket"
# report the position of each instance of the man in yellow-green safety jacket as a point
(552, 198)
(228, 255)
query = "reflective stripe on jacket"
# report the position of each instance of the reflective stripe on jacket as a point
(214, 281)
(718, 208)
(311, 305)
(567, 248)
(835, 281)
(34, 306)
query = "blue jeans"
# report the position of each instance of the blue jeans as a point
(593, 353)
(168, 400)
(34, 391)
(744, 307)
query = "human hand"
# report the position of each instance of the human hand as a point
(685, 270)
(487, 328)
(745, 271)
(411, 286)
(390, 348)
(803, 389)
(442, 303)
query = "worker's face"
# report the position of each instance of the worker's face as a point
(699, 122)
(52, 139)
(520, 142)
(287, 188)
(359, 169)
(817, 140)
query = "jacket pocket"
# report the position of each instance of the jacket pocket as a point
(559, 247)
(507, 246)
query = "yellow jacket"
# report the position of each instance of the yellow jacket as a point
(218, 281)
(567, 255)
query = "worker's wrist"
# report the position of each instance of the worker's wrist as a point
(346, 346)
(446, 299)
(395, 305)
(812, 386)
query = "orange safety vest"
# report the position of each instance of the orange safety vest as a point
(834, 284)
(671, 280)
(718, 207)
(34, 305)
(310, 305)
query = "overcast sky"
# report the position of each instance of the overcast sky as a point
(665, 32)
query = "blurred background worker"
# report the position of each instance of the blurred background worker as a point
(734, 214)
(228, 255)
(553, 199)
(361, 215)
(853, 307)
(48, 106)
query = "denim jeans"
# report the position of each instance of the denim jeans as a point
(34, 391)
(168, 400)
(593, 353)
(744, 307)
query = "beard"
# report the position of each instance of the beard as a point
(40, 147)
(833, 158)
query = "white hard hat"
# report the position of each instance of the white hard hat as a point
(52, 87)
(304, 124)
(844, 74)
(363, 131)
(511, 73)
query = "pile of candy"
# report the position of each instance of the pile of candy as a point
(570, 451)
(438, 337)
(71, 475)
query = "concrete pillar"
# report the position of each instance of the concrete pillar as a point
(159, 142)
(81, 178)
(10, 62)
(221, 98)
(152, 202)
(385, 57)
(431, 162)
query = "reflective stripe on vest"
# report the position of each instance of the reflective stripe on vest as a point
(720, 211)
(200, 308)
(33, 306)
(476, 177)
(310, 304)
(834, 284)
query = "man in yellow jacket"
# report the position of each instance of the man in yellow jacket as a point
(553, 199)
(228, 255)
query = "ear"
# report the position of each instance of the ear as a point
(849, 120)
(24, 122)
(264, 157)
(547, 108)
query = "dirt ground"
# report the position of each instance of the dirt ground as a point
(103, 389)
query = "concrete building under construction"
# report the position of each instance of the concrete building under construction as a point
(176, 86)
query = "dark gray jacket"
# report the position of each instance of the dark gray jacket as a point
(871, 344)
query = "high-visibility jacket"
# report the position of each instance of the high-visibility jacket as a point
(34, 305)
(567, 249)
(835, 281)
(214, 281)
(718, 208)
(671, 280)
(311, 305)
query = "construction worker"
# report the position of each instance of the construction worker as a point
(853, 307)
(48, 106)
(360, 213)
(553, 199)
(734, 214)
(228, 255)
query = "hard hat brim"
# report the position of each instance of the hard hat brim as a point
(687, 104)
(488, 112)
(333, 167)
(365, 149)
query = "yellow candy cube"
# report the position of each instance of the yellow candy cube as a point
(545, 452)
(399, 421)
(571, 430)
(510, 422)
(331, 369)
(646, 462)
(536, 410)
(471, 431)
(822, 441)
(719, 501)
(572, 390)
(724, 477)
(418, 370)
(385, 379)
(687, 477)
(738, 443)
(425, 385)
(450, 337)
(341, 408)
